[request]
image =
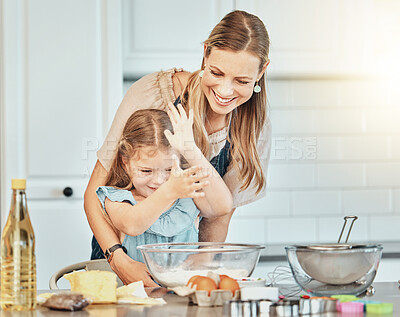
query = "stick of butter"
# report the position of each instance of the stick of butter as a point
(99, 286)
(134, 293)
(134, 289)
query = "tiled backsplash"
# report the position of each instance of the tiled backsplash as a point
(335, 151)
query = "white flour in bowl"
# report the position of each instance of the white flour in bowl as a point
(181, 277)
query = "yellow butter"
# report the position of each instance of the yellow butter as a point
(130, 299)
(135, 289)
(99, 286)
(134, 293)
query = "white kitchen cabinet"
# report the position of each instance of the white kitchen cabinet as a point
(309, 38)
(162, 34)
(62, 83)
(318, 38)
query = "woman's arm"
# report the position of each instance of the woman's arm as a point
(97, 222)
(218, 199)
(135, 220)
(127, 269)
(214, 229)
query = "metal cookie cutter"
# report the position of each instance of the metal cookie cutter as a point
(242, 308)
(285, 308)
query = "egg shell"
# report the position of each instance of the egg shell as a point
(204, 283)
(230, 284)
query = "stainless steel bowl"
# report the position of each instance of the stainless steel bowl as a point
(334, 268)
(173, 264)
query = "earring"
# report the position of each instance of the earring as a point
(257, 88)
(202, 72)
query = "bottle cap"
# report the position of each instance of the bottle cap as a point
(18, 183)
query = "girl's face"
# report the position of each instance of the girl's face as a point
(149, 169)
(229, 79)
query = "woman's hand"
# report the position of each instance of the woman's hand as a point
(130, 271)
(182, 140)
(217, 199)
(186, 183)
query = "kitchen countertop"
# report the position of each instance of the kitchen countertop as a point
(179, 307)
(276, 252)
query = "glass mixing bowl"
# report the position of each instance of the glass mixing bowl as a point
(334, 268)
(173, 264)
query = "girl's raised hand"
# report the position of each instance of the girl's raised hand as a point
(187, 183)
(182, 139)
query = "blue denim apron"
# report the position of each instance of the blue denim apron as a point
(220, 162)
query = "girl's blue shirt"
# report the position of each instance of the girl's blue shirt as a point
(177, 224)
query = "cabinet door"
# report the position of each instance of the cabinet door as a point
(66, 57)
(161, 34)
(317, 38)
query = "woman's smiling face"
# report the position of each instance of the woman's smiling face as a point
(229, 79)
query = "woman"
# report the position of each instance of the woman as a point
(230, 127)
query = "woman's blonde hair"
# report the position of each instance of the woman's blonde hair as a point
(144, 129)
(237, 31)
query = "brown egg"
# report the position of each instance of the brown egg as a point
(222, 276)
(191, 280)
(229, 283)
(204, 283)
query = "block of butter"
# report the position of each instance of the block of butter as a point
(99, 286)
(134, 289)
(134, 293)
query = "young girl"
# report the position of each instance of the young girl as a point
(148, 198)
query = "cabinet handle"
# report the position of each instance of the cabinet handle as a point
(68, 191)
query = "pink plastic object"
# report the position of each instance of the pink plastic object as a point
(352, 307)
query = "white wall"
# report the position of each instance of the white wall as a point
(335, 152)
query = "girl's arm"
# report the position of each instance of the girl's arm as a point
(127, 269)
(218, 200)
(134, 220)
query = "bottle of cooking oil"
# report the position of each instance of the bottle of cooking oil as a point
(18, 262)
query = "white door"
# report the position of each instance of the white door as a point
(62, 83)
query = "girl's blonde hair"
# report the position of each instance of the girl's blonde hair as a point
(237, 31)
(144, 129)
